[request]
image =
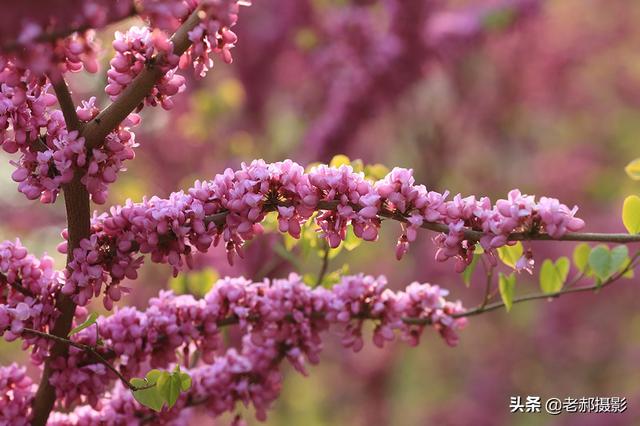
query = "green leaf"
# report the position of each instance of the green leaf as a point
(605, 262)
(633, 169)
(600, 262)
(631, 214)
(510, 254)
(375, 171)
(289, 241)
(185, 382)
(309, 279)
(149, 397)
(553, 275)
(194, 282)
(169, 386)
(333, 252)
(619, 257)
(358, 165)
(468, 272)
(334, 277)
(87, 323)
(581, 256)
(339, 160)
(507, 285)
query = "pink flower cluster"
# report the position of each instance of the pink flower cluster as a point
(280, 319)
(16, 393)
(74, 53)
(49, 153)
(106, 161)
(25, 113)
(212, 35)
(230, 208)
(134, 51)
(140, 47)
(28, 288)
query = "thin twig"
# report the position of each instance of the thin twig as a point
(487, 292)
(535, 296)
(16, 285)
(90, 351)
(325, 265)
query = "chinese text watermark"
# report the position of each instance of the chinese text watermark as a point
(555, 406)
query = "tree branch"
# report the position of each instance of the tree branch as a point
(77, 205)
(65, 100)
(325, 264)
(220, 219)
(97, 129)
(535, 296)
(89, 350)
(17, 286)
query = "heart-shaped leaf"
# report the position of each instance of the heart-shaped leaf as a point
(605, 262)
(553, 275)
(581, 256)
(150, 396)
(510, 254)
(169, 387)
(631, 214)
(619, 258)
(507, 285)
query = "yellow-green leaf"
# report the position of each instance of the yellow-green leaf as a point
(631, 214)
(468, 272)
(507, 285)
(375, 171)
(185, 382)
(197, 283)
(87, 323)
(151, 396)
(510, 254)
(169, 387)
(581, 256)
(633, 169)
(553, 275)
(339, 160)
(358, 165)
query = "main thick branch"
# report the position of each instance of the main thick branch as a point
(77, 197)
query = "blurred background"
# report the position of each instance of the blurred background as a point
(478, 97)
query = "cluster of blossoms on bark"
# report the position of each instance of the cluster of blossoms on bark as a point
(49, 151)
(230, 208)
(279, 319)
